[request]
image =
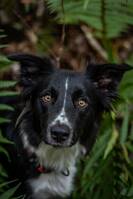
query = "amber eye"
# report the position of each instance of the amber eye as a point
(81, 103)
(47, 98)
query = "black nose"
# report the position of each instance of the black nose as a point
(60, 133)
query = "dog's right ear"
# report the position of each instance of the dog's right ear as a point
(32, 68)
(106, 79)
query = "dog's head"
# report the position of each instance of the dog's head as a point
(66, 106)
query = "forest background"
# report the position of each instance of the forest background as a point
(75, 33)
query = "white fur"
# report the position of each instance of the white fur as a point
(62, 118)
(57, 158)
(55, 182)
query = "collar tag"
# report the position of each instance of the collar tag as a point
(66, 172)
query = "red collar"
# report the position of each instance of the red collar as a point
(42, 169)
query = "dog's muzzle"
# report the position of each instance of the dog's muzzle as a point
(59, 135)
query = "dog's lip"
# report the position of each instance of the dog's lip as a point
(58, 145)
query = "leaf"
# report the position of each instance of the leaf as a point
(8, 93)
(20, 197)
(86, 2)
(2, 36)
(9, 193)
(125, 153)
(115, 16)
(2, 150)
(2, 173)
(111, 143)
(124, 128)
(7, 183)
(7, 84)
(3, 45)
(4, 107)
(97, 151)
(4, 120)
(130, 192)
(4, 140)
(4, 62)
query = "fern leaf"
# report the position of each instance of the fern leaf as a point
(116, 15)
(9, 193)
(7, 84)
(4, 107)
(3, 120)
(8, 93)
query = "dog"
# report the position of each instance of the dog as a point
(58, 121)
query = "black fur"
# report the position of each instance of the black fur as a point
(97, 86)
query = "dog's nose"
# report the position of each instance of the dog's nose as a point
(60, 133)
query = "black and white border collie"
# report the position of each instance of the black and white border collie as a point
(58, 121)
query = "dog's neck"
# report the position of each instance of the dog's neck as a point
(60, 161)
(53, 158)
(57, 158)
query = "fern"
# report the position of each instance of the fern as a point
(4, 62)
(7, 84)
(107, 172)
(9, 193)
(4, 107)
(108, 17)
(8, 93)
(108, 169)
(5, 191)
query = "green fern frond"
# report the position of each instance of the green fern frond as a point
(4, 120)
(8, 93)
(7, 84)
(9, 193)
(4, 62)
(5, 107)
(117, 15)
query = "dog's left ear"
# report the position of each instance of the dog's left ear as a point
(32, 67)
(106, 79)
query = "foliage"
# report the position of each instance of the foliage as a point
(107, 172)
(5, 191)
(108, 169)
(106, 17)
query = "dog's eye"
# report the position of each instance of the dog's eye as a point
(47, 98)
(81, 103)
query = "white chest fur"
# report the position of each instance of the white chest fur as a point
(55, 183)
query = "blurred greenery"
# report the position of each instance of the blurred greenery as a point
(107, 17)
(5, 191)
(107, 172)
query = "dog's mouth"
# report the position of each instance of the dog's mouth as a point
(59, 144)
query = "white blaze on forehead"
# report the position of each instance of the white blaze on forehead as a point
(62, 118)
(64, 102)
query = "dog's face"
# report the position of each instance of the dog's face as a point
(63, 107)
(64, 103)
